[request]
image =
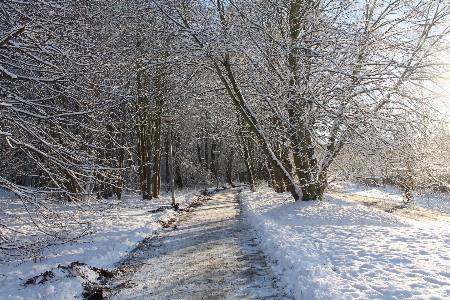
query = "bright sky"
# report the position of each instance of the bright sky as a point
(443, 102)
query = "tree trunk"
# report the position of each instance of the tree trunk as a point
(157, 159)
(230, 168)
(167, 162)
(301, 141)
(250, 118)
(178, 177)
(248, 164)
(228, 79)
(149, 159)
(142, 113)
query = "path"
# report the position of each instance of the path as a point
(210, 255)
(414, 212)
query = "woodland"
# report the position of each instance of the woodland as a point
(295, 93)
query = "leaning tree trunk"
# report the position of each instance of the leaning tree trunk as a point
(227, 77)
(250, 118)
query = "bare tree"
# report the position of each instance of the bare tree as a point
(327, 72)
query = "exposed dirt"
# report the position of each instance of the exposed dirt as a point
(93, 289)
(411, 212)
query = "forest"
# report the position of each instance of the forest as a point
(295, 93)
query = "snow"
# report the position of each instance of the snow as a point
(333, 249)
(8, 74)
(338, 249)
(115, 231)
(434, 201)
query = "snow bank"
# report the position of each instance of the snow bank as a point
(116, 231)
(337, 249)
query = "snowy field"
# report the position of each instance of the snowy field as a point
(338, 249)
(434, 201)
(115, 231)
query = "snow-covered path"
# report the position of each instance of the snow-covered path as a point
(210, 255)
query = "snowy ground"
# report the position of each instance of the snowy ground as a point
(116, 230)
(339, 249)
(434, 201)
(334, 249)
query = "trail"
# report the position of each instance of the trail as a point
(208, 254)
(410, 212)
